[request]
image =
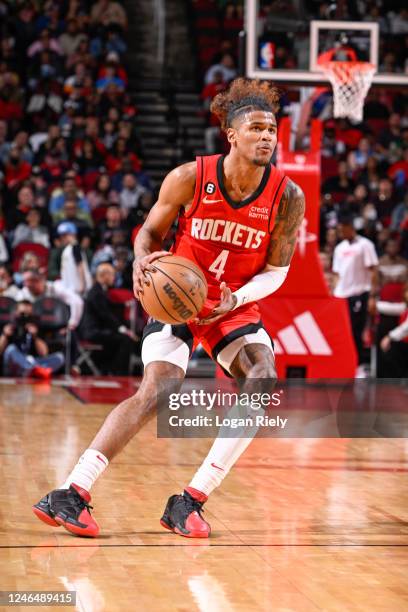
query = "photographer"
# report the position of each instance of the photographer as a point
(24, 352)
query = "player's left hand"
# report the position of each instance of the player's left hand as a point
(226, 304)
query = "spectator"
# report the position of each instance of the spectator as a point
(112, 222)
(16, 170)
(226, 66)
(70, 192)
(81, 55)
(107, 13)
(358, 159)
(32, 230)
(385, 200)
(22, 144)
(121, 155)
(109, 135)
(110, 78)
(74, 272)
(16, 214)
(102, 194)
(341, 183)
(7, 288)
(369, 175)
(355, 266)
(76, 82)
(70, 212)
(70, 40)
(36, 286)
(39, 189)
(122, 262)
(11, 101)
(88, 158)
(399, 21)
(100, 324)
(29, 261)
(391, 136)
(44, 43)
(114, 45)
(24, 352)
(131, 193)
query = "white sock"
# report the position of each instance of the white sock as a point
(89, 467)
(223, 454)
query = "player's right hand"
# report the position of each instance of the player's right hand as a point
(141, 265)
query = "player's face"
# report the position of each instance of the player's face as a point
(255, 137)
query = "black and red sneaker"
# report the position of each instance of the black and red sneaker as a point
(182, 515)
(69, 508)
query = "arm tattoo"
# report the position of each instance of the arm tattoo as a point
(289, 217)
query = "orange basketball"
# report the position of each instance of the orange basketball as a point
(177, 290)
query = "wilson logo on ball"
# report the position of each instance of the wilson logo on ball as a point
(178, 304)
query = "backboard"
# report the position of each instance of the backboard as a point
(286, 47)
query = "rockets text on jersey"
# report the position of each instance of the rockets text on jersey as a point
(228, 240)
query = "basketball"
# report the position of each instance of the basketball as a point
(176, 292)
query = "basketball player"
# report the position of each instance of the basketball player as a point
(238, 220)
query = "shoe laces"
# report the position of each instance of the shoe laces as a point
(192, 505)
(79, 503)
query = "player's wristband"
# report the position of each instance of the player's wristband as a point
(261, 285)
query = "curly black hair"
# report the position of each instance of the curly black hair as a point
(244, 95)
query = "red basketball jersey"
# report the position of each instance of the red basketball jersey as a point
(228, 240)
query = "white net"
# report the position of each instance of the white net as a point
(351, 82)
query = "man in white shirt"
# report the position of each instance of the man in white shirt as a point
(355, 264)
(75, 274)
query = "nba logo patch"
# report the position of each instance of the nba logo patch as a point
(209, 188)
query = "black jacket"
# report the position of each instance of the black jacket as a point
(98, 313)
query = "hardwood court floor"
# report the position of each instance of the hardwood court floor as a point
(298, 525)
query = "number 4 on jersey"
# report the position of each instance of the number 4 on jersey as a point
(218, 265)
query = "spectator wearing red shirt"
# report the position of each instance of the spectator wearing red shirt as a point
(16, 170)
(91, 133)
(113, 61)
(120, 153)
(399, 170)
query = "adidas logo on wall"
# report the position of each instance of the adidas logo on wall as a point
(304, 337)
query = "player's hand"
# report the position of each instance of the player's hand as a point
(226, 304)
(141, 265)
(385, 344)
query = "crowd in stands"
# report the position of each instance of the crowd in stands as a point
(364, 166)
(72, 188)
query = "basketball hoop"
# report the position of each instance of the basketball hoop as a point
(351, 81)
